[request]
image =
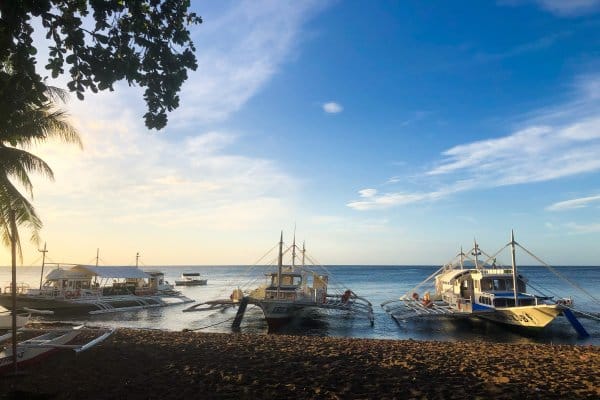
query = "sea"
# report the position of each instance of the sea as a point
(375, 283)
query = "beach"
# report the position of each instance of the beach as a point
(154, 364)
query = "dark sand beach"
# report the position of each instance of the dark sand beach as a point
(147, 364)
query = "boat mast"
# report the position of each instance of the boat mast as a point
(97, 255)
(137, 258)
(303, 251)
(476, 253)
(43, 263)
(461, 258)
(294, 250)
(279, 264)
(514, 266)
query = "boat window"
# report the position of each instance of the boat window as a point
(297, 280)
(500, 302)
(499, 284)
(486, 284)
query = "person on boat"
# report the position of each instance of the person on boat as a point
(346, 296)
(427, 300)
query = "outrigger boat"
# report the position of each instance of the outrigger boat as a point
(467, 287)
(71, 289)
(291, 291)
(35, 349)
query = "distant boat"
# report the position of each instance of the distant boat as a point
(467, 287)
(190, 279)
(34, 350)
(292, 291)
(73, 289)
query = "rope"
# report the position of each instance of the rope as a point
(209, 326)
(555, 272)
(589, 315)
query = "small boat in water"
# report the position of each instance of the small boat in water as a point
(39, 347)
(75, 289)
(190, 279)
(468, 287)
(292, 290)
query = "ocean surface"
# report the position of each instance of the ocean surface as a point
(376, 283)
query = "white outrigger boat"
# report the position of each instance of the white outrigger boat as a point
(72, 289)
(292, 291)
(489, 291)
(39, 347)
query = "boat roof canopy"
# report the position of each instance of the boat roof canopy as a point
(112, 272)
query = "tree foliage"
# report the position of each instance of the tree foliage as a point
(100, 42)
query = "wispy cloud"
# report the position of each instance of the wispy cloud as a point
(562, 8)
(332, 107)
(124, 173)
(538, 44)
(553, 144)
(239, 51)
(574, 203)
(575, 228)
(416, 117)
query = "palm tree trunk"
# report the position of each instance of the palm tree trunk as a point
(13, 251)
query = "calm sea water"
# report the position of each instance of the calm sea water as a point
(376, 283)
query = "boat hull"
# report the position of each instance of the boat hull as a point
(191, 283)
(280, 313)
(528, 316)
(30, 355)
(78, 306)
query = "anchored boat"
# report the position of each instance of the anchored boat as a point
(467, 287)
(190, 279)
(292, 290)
(71, 289)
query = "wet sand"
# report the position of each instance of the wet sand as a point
(142, 364)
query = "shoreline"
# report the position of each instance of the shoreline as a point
(144, 364)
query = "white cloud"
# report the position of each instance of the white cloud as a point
(332, 108)
(125, 171)
(574, 203)
(239, 51)
(553, 144)
(562, 8)
(367, 192)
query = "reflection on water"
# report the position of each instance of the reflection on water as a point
(375, 283)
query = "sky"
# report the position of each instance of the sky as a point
(382, 132)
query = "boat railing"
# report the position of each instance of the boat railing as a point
(21, 288)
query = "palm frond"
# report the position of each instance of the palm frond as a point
(17, 163)
(25, 215)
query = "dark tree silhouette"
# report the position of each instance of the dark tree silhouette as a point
(100, 42)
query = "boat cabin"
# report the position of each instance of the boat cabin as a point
(296, 285)
(83, 280)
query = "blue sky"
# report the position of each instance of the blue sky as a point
(388, 132)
